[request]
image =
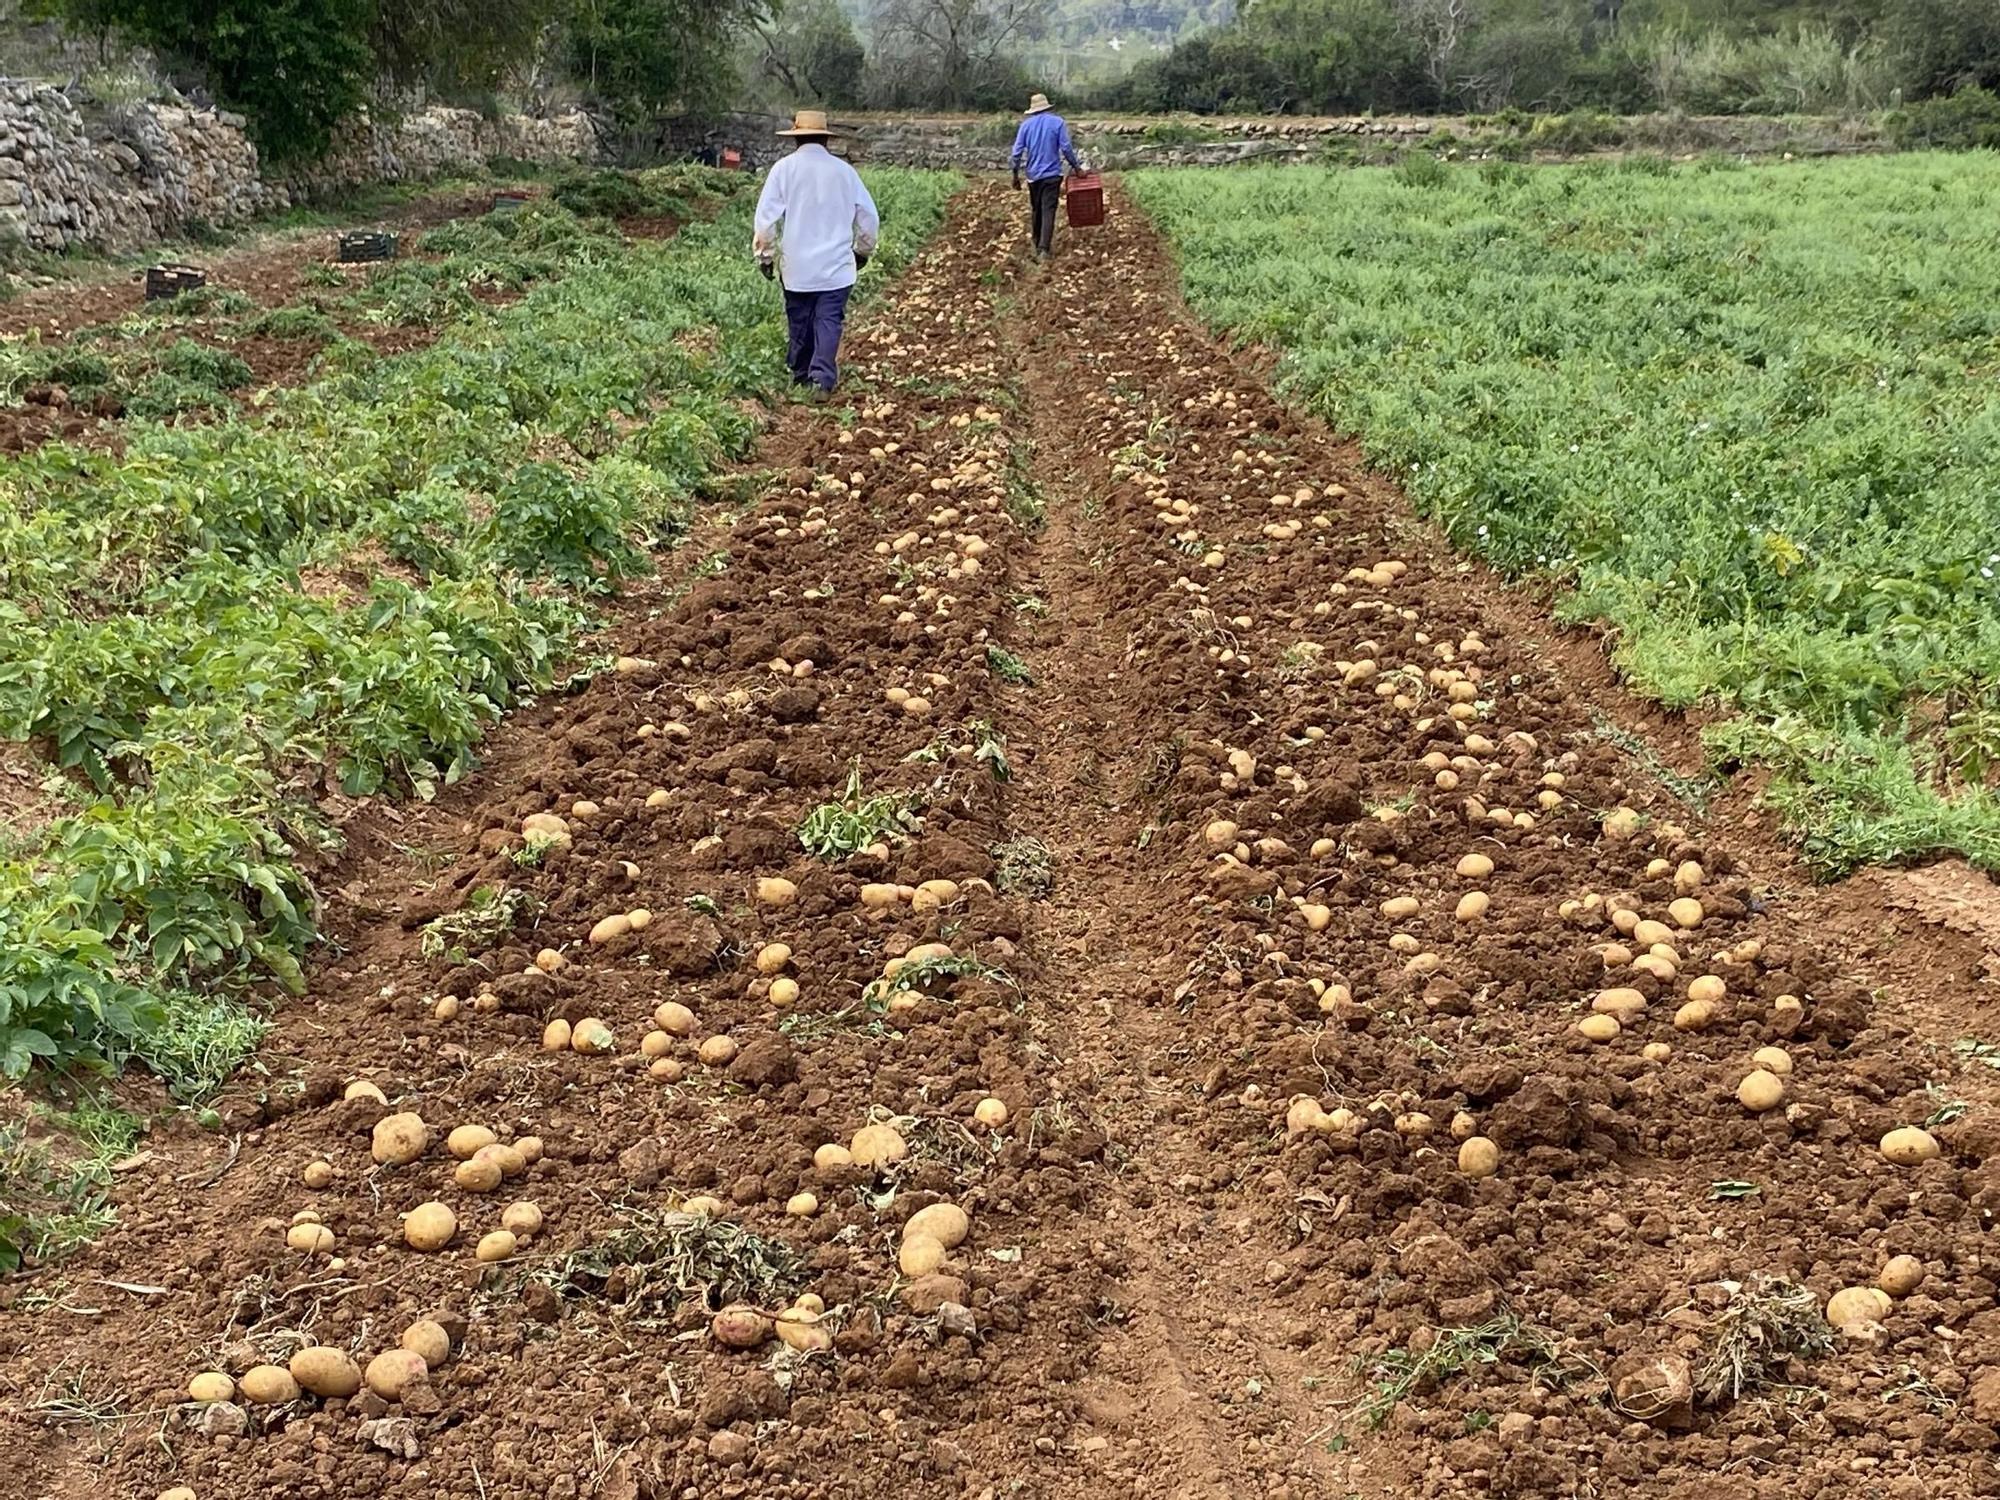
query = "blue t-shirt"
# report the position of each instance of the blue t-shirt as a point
(1043, 144)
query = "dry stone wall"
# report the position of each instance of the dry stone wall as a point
(119, 179)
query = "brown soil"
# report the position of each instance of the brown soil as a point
(1163, 1292)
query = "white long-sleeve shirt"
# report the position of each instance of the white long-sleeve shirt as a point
(827, 217)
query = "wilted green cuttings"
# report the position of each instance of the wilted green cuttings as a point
(1751, 415)
(219, 624)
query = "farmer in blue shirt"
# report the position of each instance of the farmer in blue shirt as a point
(1042, 146)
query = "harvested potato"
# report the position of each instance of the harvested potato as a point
(1396, 908)
(1686, 911)
(1761, 1090)
(1910, 1146)
(429, 1226)
(392, 1370)
(990, 1112)
(802, 1205)
(655, 1045)
(946, 1223)
(592, 1038)
(361, 1088)
(267, 1385)
(617, 925)
(480, 1175)
(496, 1245)
(429, 1341)
(1599, 1028)
(775, 891)
(1478, 1157)
(920, 1255)
(1773, 1059)
(465, 1141)
(704, 1205)
(1656, 1052)
(211, 1386)
(1696, 1015)
(784, 991)
(399, 1139)
(797, 1327)
(1708, 989)
(878, 1146)
(1648, 934)
(772, 958)
(878, 896)
(325, 1371)
(310, 1239)
(829, 1156)
(1902, 1275)
(556, 1036)
(507, 1158)
(1623, 1002)
(530, 1147)
(674, 1018)
(1855, 1305)
(1472, 906)
(523, 1217)
(740, 1327)
(717, 1051)
(1475, 867)
(318, 1174)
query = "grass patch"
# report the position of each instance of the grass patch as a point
(53, 1180)
(201, 1043)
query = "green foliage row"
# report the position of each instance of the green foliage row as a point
(1746, 414)
(212, 625)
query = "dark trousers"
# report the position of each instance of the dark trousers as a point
(816, 319)
(1044, 198)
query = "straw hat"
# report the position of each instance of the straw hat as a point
(1038, 103)
(809, 122)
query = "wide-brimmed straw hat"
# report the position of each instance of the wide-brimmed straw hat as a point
(1038, 103)
(809, 122)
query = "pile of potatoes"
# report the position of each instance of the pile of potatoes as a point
(331, 1373)
(484, 1163)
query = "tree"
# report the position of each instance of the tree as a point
(456, 47)
(1945, 44)
(812, 52)
(954, 54)
(296, 68)
(649, 57)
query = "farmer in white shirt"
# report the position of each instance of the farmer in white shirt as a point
(830, 227)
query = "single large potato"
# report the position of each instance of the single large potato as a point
(430, 1226)
(400, 1139)
(326, 1371)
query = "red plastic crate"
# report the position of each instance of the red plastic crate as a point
(1086, 200)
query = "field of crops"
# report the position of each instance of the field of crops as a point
(223, 628)
(582, 930)
(1747, 415)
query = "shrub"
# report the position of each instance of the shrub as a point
(1968, 120)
